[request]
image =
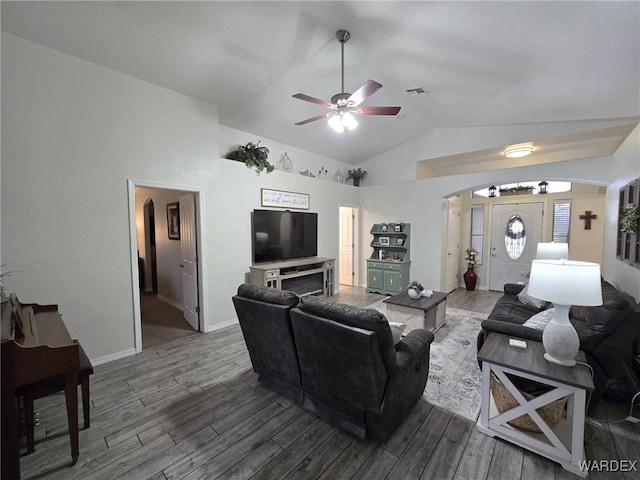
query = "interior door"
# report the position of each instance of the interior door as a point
(189, 263)
(347, 245)
(453, 245)
(516, 230)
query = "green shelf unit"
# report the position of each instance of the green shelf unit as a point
(390, 260)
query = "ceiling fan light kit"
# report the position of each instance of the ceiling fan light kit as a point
(343, 121)
(518, 152)
(343, 105)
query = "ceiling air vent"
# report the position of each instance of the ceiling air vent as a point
(416, 91)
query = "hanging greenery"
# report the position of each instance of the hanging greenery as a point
(629, 219)
(252, 155)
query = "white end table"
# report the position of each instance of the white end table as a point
(564, 443)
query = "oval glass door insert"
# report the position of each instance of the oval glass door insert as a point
(515, 237)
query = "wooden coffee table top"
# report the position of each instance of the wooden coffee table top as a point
(423, 303)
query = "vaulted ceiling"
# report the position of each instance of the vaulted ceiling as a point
(482, 63)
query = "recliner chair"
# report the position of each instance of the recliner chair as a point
(352, 374)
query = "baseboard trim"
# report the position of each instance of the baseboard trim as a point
(164, 299)
(220, 326)
(112, 357)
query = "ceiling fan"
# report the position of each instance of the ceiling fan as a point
(344, 106)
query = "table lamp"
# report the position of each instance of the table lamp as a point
(552, 251)
(564, 283)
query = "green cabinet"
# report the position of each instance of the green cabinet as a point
(375, 278)
(389, 263)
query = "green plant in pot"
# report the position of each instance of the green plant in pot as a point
(252, 155)
(356, 174)
(415, 289)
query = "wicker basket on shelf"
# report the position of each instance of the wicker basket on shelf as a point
(551, 413)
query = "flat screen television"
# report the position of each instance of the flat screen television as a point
(283, 235)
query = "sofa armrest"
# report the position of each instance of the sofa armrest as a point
(512, 329)
(513, 288)
(411, 347)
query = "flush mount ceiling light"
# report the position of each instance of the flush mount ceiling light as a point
(518, 152)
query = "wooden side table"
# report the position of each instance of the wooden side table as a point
(563, 443)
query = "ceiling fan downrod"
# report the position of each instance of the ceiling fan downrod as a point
(343, 36)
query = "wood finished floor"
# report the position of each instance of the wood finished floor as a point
(161, 322)
(192, 408)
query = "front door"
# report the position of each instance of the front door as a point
(189, 263)
(516, 230)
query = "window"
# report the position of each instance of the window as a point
(561, 221)
(515, 237)
(628, 239)
(477, 230)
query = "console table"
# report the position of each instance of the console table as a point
(563, 443)
(304, 276)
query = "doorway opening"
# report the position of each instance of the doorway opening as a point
(348, 247)
(165, 235)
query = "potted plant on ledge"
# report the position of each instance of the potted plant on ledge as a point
(252, 155)
(356, 174)
(470, 276)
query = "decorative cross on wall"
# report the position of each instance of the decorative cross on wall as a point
(587, 217)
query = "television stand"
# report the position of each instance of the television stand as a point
(304, 276)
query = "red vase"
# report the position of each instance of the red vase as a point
(470, 279)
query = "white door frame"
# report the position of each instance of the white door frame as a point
(133, 238)
(356, 242)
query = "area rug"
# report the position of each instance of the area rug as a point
(454, 376)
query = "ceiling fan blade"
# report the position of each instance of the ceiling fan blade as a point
(365, 91)
(376, 110)
(313, 119)
(307, 98)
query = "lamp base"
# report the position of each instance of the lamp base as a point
(566, 363)
(560, 339)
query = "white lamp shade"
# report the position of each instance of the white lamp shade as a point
(552, 251)
(566, 282)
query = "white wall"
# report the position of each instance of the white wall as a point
(625, 166)
(74, 133)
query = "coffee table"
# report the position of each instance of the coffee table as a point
(562, 443)
(423, 312)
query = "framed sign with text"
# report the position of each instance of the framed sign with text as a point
(284, 199)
